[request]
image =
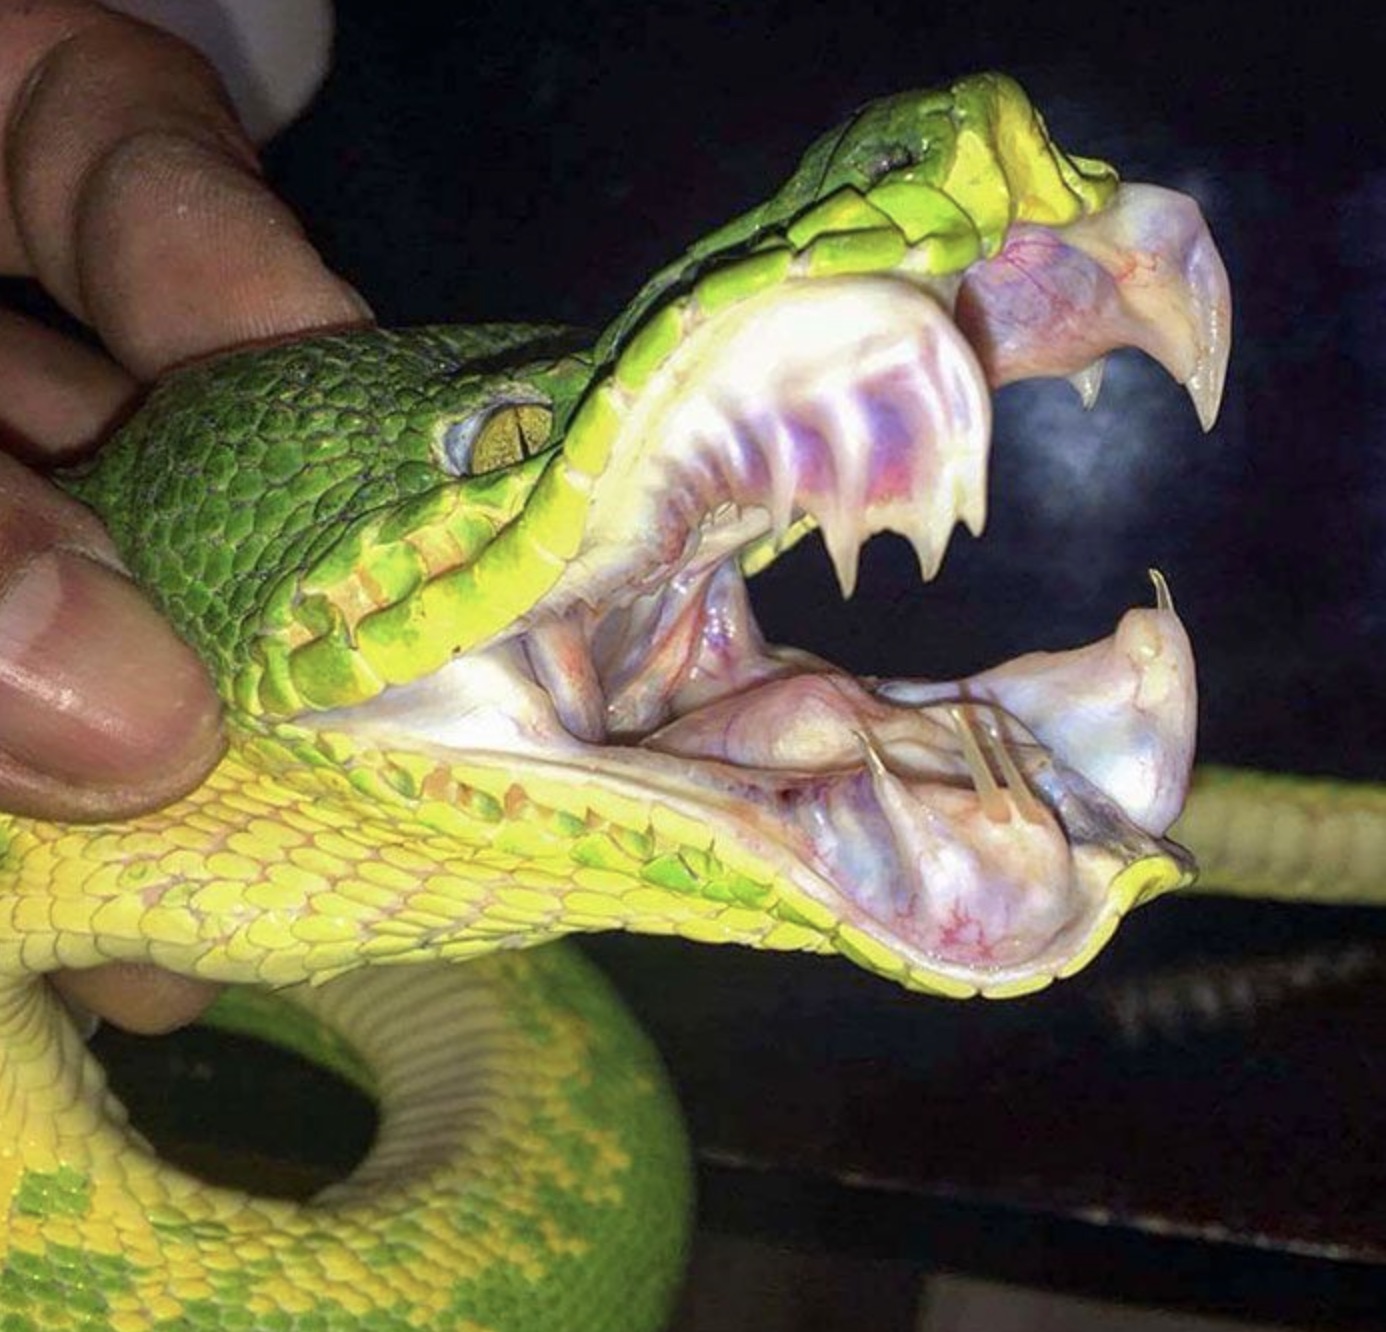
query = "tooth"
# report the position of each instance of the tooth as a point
(899, 808)
(844, 549)
(994, 804)
(929, 555)
(1006, 790)
(966, 465)
(844, 517)
(1164, 598)
(1205, 386)
(1088, 382)
(968, 483)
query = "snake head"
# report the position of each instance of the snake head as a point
(522, 568)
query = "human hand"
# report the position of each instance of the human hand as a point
(130, 194)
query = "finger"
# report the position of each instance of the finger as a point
(133, 196)
(139, 998)
(57, 397)
(104, 711)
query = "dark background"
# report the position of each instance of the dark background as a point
(1218, 1074)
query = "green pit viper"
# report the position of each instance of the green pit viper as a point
(474, 598)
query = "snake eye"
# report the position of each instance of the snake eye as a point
(499, 435)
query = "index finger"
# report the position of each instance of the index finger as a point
(131, 194)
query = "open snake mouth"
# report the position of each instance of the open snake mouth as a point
(974, 827)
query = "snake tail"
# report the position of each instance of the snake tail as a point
(1294, 838)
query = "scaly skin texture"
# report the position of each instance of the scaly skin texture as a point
(473, 598)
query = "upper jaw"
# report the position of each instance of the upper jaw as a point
(861, 404)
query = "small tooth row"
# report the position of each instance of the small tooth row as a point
(851, 401)
(931, 390)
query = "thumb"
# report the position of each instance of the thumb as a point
(104, 711)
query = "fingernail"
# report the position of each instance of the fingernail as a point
(95, 688)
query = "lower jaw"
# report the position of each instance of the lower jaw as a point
(805, 817)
